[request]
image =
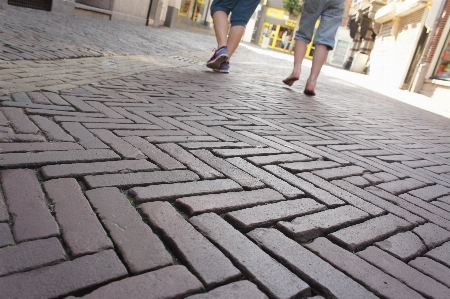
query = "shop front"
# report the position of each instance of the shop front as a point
(278, 30)
(195, 10)
(442, 71)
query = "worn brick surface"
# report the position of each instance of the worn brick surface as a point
(433, 269)
(440, 254)
(308, 166)
(268, 274)
(339, 172)
(38, 147)
(430, 192)
(212, 267)
(405, 246)
(278, 159)
(401, 186)
(83, 136)
(432, 235)
(239, 289)
(6, 237)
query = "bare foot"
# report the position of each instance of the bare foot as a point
(291, 79)
(309, 88)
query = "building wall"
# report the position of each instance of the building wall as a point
(443, 19)
(137, 8)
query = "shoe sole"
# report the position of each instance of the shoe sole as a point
(221, 71)
(216, 63)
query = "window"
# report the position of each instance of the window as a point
(443, 67)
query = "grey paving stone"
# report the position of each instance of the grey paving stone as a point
(78, 275)
(404, 246)
(315, 225)
(81, 169)
(445, 199)
(83, 136)
(205, 260)
(51, 129)
(372, 178)
(267, 178)
(38, 147)
(150, 133)
(4, 215)
(373, 153)
(308, 166)
(169, 282)
(224, 202)
(56, 157)
(29, 255)
(418, 163)
(440, 254)
(431, 192)
(401, 186)
(269, 275)
(140, 178)
(308, 266)
(162, 192)
(319, 194)
(433, 269)
(240, 289)
(423, 284)
(385, 176)
(342, 194)
(242, 152)
(358, 236)
(172, 139)
(267, 142)
(104, 109)
(155, 154)
(361, 271)
(6, 237)
(439, 169)
(139, 247)
(119, 145)
(20, 122)
(425, 205)
(81, 230)
(269, 214)
(31, 218)
(339, 172)
(277, 159)
(357, 181)
(202, 169)
(231, 171)
(37, 106)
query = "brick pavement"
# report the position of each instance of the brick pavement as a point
(170, 181)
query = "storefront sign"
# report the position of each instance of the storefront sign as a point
(275, 13)
(290, 23)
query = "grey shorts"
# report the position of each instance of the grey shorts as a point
(330, 13)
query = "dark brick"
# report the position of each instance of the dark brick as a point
(83, 136)
(225, 202)
(308, 166)
(432, 235)
(81, 230)
(51, 129)
(401, 186)
(56, 281)
(431, 192)
(433, 269)
(119, 145)
(21, 97)
(242, 152)
(166, 191)
(56, 157)
(404, 246)
(270, 276)
(266, 215)
(358, 236)
(31, 219)
(369, 276)
(38, 147)
(38, 98)
(267, 178)
(6, 238)
(104, 109)
(79, 104)
(20, 122)
(408, 275)
(202, 169)
(240, 289)
(29, 255)
(205, 260)
(308, 266)
(139, 247)
(236, 174)
(315, 225)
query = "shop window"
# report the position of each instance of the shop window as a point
(443, 67)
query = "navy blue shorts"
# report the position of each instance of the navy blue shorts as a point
(241, 10)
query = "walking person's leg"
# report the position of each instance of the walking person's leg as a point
(299, 54)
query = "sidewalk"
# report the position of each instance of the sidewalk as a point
(130, 170)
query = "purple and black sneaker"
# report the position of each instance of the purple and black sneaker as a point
(220, 55)
(223, 68)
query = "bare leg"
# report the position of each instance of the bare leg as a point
(299, 54)
(319, 57)
(234, 38)
(221, 27)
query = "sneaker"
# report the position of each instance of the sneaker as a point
(220, 55)
(223, 68)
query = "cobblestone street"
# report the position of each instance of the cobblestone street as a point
(130, 170)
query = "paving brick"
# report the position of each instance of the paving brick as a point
(307, 150)
(4, 216)
(357, 181)
(404, 246)
(308, 166)
(140, 178)
(171, 139)
(445, 199)
(83, 136)
(431, 192)
(150, 133)
(372, 178)
(269, 275)
(104, 109)
(6, 237)
(352, 160)
(31, 219)
(205, 260)
(442, 205)
(242, 152)
(86, 119)
(277, 159)
(38, 147)
(361, 271)
(269, 214)
(183, 126)
(20, 122)
(240, 289)
(202, 169)
(79, 104)
(119, 145)
(169, 282)
(38, 106)
(440, 254)
(411, 277)
(239, 137)
(379, 202)
(139, 247)
(309, 227)
(432, 235)
(308, 266)
(21, 97)
(418, 163)
(433, 269)
(401, 186)
(241, 177)
(81, 230)
(59, 280)
(224, 202)
(51, 129)
(210, 131)
(339, 172)
(56, 157)
(342, 194)
(267, 178)
(38, 98)
(386, 177)
(439, 169)
(358, 236)
(376, 164)
(167, 192)
(29, 255)
(114, 126)
(427, 206)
